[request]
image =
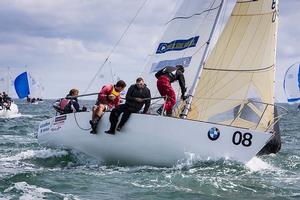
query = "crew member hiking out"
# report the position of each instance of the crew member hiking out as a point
(108, 98)
(69, 104)
(138, 95)
(165, 77)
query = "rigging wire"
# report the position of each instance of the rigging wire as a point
(115, 46)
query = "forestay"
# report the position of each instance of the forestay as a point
(241, 68)
(291, 83)
(183, 41)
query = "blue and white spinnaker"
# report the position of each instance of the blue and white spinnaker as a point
(22, 85)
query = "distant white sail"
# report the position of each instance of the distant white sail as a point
(6, 81)
(36, 89)
(291, 83)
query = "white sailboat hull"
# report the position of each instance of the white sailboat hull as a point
(4, 113)
(150, 139)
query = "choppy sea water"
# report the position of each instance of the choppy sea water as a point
(30, 171)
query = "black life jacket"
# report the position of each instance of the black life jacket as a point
(170, 72)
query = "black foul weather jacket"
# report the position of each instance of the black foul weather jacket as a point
(135, 92)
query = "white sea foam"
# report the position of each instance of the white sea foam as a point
(44, 153)
(16, 116)
(12, 116)
(256, 164)
(29, 116)
(33, 192)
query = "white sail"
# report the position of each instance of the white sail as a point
(241, 68)
(184, 40)
(291, 83)
(6, 81)
(36, 88)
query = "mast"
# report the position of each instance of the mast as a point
(198, 74)
(8, 80)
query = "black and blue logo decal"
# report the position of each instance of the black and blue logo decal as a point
(177, 45)
(213, 133)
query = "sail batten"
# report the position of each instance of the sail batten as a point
(240, 70)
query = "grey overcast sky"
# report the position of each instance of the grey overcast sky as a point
(64, 42)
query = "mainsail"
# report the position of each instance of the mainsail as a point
(291, 83)
(240, 71)
(184, 41)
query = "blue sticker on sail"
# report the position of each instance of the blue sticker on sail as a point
(177, 45)
(293, 100)
(185, 62)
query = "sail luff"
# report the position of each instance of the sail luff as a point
(198, 74)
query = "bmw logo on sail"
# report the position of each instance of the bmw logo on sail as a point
(177, 45)
(213, 133)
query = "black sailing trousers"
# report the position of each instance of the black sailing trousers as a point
(116, 112)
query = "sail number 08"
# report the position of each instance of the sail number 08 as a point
(244, 139)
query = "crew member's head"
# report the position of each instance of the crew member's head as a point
(74, 92)
(120, 86)
(140, 83)
(180, 67)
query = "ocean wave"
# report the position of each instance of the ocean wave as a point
(26, 191)
(44, 153)
(12, 116)
(257, 164)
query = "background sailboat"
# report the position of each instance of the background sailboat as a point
(22, 85)
(291, 84)
(6, 83)
(26, 85)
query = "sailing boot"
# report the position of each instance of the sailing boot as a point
(110, 132)
(94, 124)
(169, 113)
